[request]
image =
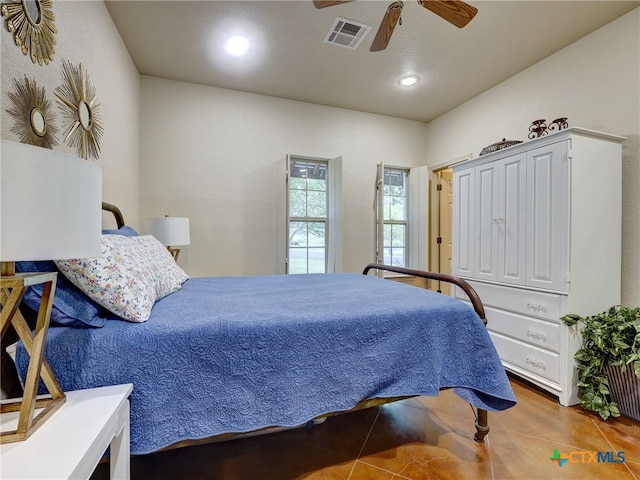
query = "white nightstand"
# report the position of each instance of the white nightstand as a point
(72, 442)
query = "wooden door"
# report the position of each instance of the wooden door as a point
(445, 235)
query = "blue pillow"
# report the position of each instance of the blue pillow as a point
(126, 230)
(71, 307)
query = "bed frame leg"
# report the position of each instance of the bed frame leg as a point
(482, 426)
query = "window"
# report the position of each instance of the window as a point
(402, 217)
(308, 216)
(395, 216)
(314, 215)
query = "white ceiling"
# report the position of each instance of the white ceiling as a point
(184, 40)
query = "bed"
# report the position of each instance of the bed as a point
(222, 356)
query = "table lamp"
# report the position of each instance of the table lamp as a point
(170, 231)
(50, 209)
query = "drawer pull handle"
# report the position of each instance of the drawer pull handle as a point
(536, 335)
(536, 307)
(536, 363)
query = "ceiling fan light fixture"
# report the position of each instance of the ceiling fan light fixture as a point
(408, 80)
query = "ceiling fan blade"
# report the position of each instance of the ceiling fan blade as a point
(329, 3)
(457, 13)
(387, 25)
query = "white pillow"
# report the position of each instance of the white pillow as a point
(131, 275)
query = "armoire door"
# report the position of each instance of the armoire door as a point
(463, 223)
(511, 220)
(487, 217)
(547, 217)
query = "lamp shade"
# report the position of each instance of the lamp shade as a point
(169, 230)
(50, 204)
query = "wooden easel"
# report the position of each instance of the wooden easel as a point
(12, 288)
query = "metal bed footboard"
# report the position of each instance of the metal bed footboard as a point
(482, 424)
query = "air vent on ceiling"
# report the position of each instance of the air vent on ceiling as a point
(346, 33)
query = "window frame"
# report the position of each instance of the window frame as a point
(383, 222)
(308, 219)
(333, 218)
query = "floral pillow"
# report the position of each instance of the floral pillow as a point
(131, 275)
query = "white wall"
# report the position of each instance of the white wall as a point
(218, 157)
(87, 35)
(595, 82)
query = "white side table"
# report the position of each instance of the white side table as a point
(71, 443)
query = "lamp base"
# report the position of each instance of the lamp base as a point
(48, 405)
(174, 252)
(12, 290)
(7, 269)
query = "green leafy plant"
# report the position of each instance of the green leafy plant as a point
(609, 338)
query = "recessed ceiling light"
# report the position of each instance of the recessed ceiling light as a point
(237, 45)
(408, 80)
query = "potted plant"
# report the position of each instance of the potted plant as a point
(610, 350)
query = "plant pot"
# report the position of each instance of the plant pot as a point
(625, 390)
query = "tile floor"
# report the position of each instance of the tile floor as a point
(419, 438)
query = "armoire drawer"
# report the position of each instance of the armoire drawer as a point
(529, 330)
(519, 300)
(528, 357)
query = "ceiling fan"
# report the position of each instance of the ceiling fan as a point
(455, 12)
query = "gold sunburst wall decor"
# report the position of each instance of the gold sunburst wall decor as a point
(32, 23)
(77, 99)
(34, 120)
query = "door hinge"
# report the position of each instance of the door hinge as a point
(439, 240)
(439, 187)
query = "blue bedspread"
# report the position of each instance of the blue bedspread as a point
(236, 354)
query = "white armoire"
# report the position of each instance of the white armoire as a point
(537, 233)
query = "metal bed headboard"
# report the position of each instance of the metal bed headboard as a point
(116, 213)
